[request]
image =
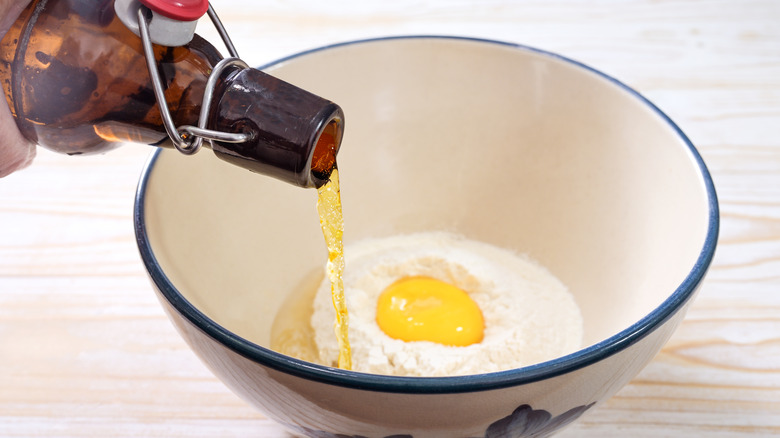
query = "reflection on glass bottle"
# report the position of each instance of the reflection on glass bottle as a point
(77, 82)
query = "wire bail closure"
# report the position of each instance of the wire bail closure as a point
(188, 139)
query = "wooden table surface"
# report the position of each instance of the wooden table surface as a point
(85, 350)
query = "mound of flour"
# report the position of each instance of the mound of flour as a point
(530, 317)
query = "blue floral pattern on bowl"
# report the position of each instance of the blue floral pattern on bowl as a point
(527, 422)
(523, 422)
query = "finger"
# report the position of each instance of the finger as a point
(16, 152)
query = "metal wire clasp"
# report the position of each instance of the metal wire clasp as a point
(188, 139)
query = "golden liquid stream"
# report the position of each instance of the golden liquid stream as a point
(332, 222)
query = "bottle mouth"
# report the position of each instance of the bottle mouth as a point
(326, 147)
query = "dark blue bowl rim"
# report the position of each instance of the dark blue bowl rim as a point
(437, 385)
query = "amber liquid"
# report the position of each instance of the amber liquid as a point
(332, 222)
(291, 331)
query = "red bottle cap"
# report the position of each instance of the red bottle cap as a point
(183, 10)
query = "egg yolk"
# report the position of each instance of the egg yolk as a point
(426, 309)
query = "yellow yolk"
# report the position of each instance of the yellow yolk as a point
(426, 309)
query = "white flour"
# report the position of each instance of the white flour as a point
(530, 317)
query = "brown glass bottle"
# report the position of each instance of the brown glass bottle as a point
(77, 82)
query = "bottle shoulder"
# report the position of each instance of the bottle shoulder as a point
(76, 79)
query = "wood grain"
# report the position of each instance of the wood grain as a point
(85, 350)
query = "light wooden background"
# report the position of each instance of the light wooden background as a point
(85, 350)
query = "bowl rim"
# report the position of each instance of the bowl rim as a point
(452, 384)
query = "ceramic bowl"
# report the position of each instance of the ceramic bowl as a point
(503, 144)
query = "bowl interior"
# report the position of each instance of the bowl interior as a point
(501, 144)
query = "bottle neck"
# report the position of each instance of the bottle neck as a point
(296, 134)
